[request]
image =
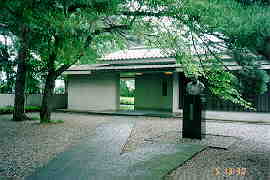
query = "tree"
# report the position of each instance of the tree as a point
(14, 19)
(8, 51)
(68, 31)
(242, 28)
(204, 31)
(125, 91)
(7, 64)
(78, 34)
(64, 33)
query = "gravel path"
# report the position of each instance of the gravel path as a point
(25, 146)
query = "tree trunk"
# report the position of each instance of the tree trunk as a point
(46, 108)
(19, 114)
(10, 77)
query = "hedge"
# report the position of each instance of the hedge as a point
(9, 109)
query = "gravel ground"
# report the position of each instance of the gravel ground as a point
(248, 158)
(25, 146)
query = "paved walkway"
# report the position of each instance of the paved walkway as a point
(99, 157)
(248, 117)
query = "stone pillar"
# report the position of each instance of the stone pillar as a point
(193, 112)
(175, 96)
(194, 117)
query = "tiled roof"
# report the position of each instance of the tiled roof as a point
(85, 68)
(137, 53)
(131, 59)
(142, 58)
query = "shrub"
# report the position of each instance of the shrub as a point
(6, 110)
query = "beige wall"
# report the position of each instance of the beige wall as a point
(93, 92)
(6, 100)
(59, 100)
(148, 92)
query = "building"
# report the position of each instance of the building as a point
(159, 81)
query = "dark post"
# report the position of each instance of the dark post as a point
(194, 115)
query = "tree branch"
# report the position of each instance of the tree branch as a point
(64, 67)
(104, 30)
(73, 7)
(11, 11)
(60, 70)
(198, 54)
(144, 13)
(154, 14)
(3, 26)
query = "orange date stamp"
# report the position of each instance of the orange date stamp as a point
(240, 171)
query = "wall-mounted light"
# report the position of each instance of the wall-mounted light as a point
(138, 74)
(168, 73)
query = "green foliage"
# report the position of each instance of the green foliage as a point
(253, 82)
(8, 51)
(190, 66)
(210, 30)
(7, 64)
(126, 107)
(238, 25)
(6, 110)
(32, 84)
(127, 100)
(74, 32)
(217, 79)
(125, 91)
(32, 108)
(221, 84)
(9, 109)
(59, 90)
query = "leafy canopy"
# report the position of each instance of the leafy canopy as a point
(78, 31)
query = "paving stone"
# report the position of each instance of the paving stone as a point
(99, 157)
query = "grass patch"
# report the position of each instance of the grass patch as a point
(127, 100)
(10, 109)
(56, 121)
(34, 119)
(53, 122)
(32, 109)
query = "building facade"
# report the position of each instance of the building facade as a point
(159, 83)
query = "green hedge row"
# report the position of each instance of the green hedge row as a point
(9, 109)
